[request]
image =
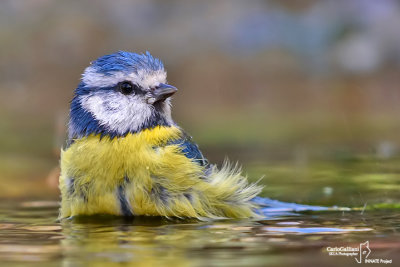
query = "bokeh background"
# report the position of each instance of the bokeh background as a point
(291, 89)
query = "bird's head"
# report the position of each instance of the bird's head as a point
(119, 94)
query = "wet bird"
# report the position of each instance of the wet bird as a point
(126, 156)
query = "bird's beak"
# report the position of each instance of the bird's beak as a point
(163, 91)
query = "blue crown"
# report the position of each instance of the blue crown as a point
(126, 61)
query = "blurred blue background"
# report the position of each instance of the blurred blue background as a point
(260, 81)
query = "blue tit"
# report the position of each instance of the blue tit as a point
(126, 156)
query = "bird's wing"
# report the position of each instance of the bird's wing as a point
(190, 149)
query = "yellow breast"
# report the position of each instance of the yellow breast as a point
(143, 174)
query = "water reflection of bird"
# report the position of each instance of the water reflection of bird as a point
(126, 156)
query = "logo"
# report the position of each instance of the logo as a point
(363, 252)
(360, 253)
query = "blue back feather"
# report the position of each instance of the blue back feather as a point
(190, 149)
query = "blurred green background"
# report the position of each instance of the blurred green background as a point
(290, 89)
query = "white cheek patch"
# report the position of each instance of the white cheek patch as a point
(117, 112)
(144, 78)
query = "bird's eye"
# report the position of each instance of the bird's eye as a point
(126, 88)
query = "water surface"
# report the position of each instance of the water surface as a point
(30, 234)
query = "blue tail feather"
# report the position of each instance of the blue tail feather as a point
(271, 206)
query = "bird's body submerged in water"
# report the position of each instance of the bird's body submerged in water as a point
(126, 156)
